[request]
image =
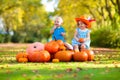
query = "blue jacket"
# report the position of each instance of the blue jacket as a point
(57, 34)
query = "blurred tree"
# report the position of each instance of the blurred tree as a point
(106, 12)
(26, 18)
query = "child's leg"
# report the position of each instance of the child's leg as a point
(83, 46)
(76, 48)
(68, 46)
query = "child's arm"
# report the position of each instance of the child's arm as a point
(75, 35)
(88, 36)
(63, 32)
(52, 30)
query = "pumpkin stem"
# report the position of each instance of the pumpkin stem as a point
(34, 46)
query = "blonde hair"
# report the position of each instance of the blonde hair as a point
(60, 18)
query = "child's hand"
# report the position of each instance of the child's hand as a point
(54, 27)
(62, 33)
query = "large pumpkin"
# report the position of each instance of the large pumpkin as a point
(22, 57)
(52, 47)
(80, 56)
(63, 55)
(37, 46)
(39, 56)
(90, 55)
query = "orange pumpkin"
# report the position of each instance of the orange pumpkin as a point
(71, 51)
(21, 55)
(62, 47)
(81, 40)
(60, 42)
(63, 55)
(52, 47)
(22, 60)
(90, 54)
(39, 56)
(55, 60)
(80, 56)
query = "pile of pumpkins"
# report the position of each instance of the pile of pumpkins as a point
(54, 51)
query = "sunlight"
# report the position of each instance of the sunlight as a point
(50, 5)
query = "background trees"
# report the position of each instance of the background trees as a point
(26, 18)
(28, 21)
(106, 13)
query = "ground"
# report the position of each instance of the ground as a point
(105, 66)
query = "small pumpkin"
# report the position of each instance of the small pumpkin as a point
(22, 57)
(62, 48)
(37, 46)
(52, 47)
(23, 60)
(81, 40)
(80, 56)
(63, 56)
(55, 60)
(39, 56)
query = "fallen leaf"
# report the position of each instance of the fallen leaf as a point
(51, 67)
(35, 71)
(8, 71)
(74, 75)
(106, 67)
(87, 77)
(69, 69)
(1, 67)
(36, 64)
(78, 69)
(38, 75)
(28, 79)
(18, 69)
(116, 66)
(7, 66)
(1, 60)
(96, 62)
(59, 75)
(91, 74)
(107, 70)
(24, 75)
(114, 62)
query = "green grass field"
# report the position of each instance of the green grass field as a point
(106, 66)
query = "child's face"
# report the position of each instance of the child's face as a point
(58, 22)
(81, 25)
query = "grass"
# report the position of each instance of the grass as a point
(106, 66)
